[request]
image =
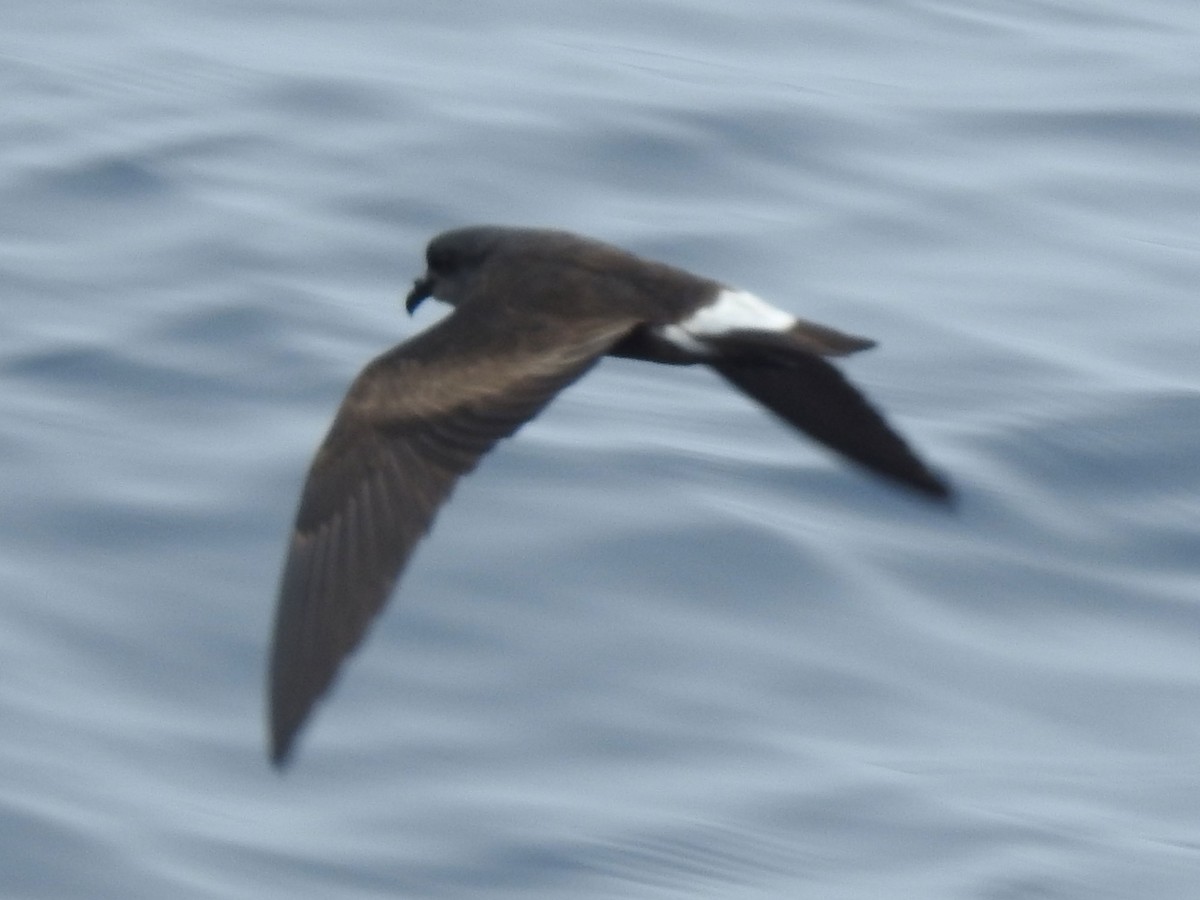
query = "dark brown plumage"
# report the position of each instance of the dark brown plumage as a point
(534, 310)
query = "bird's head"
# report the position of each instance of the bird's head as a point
(453, 260)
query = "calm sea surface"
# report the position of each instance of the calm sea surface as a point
(657, 646)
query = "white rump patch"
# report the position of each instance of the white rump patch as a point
(730, 311)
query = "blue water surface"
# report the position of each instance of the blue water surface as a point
(657, 646)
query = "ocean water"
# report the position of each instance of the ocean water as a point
(657, 646)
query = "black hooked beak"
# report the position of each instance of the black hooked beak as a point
(422, 288)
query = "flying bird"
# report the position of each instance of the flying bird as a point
(533, 310)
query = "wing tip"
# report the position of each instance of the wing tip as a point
(280, 752)
(933, 488)
(281, 736)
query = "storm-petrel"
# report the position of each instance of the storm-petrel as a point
(533, 311)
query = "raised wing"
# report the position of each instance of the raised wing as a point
(811, 394)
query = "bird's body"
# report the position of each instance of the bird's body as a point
(534, 310)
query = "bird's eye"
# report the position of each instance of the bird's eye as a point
(440, 259)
